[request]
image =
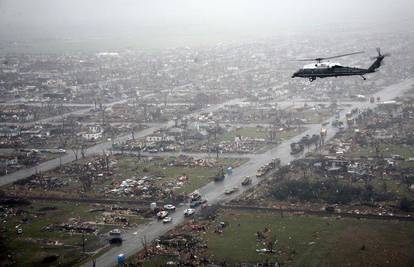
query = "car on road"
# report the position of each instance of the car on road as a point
(167, 219)
(397, 157)
(189, 212)
(162, 214)
(246, 181)
(19, 230)
(195, 204)
(231, 190)
(169, 207)
(115, 236)
(195, 196)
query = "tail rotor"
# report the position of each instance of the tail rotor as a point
(378, 60)
(382, 56)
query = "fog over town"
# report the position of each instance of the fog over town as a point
(206, 133)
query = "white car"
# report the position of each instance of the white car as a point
(189, 212)
(231, 191)
(167, 219)
(169, 207)
(162, 214)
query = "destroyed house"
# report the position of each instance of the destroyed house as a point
(9, 132)
(8, 160)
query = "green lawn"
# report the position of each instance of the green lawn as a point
(254, 132)
(28, 249)
(384, 149)
(313, 241)
(198, 176)
(158, 169)
(289, 134)
(251, 132)
(316, 117)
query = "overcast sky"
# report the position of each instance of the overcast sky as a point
(97, 18)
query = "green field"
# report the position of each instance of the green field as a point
(254, 132)
(387, 150)
(251, 132)
(161, 171)
(316, 117)
(29, 248)
(198, 176)
(312, 241)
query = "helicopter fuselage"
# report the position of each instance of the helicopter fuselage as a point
(321, 69)
(324, 70)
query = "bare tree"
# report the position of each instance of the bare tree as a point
(106, 156)
(83, 150)
(76, 147)
(75, 150)
(144, 244)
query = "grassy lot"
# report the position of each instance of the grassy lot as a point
(251, 132)
(198, 176)
(316, 117)
(289, 134)
(391, 185)
(28, 248)
(313, 241)
(385, 149)
(128, 166)
(254, 132)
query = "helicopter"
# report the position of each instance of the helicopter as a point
(322, 69)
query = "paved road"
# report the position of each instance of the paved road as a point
(40, 104)
(214, 192)
(190, 154)
(60, 117)
(97, 149)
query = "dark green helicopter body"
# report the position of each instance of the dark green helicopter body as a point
(327, 69)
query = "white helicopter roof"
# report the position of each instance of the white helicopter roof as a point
(321, 65)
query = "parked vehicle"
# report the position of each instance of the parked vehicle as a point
(195, 204)
(231, 191)
(169, 207)
(115, 236)
(219, 176)
(247, 181)
(296, 148)
(195, 196)
(162, 214)
(189, 212)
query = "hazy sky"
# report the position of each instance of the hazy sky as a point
(97, 18)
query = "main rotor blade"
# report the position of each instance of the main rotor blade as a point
(323, 58)
(344, 55)
(306, 59)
